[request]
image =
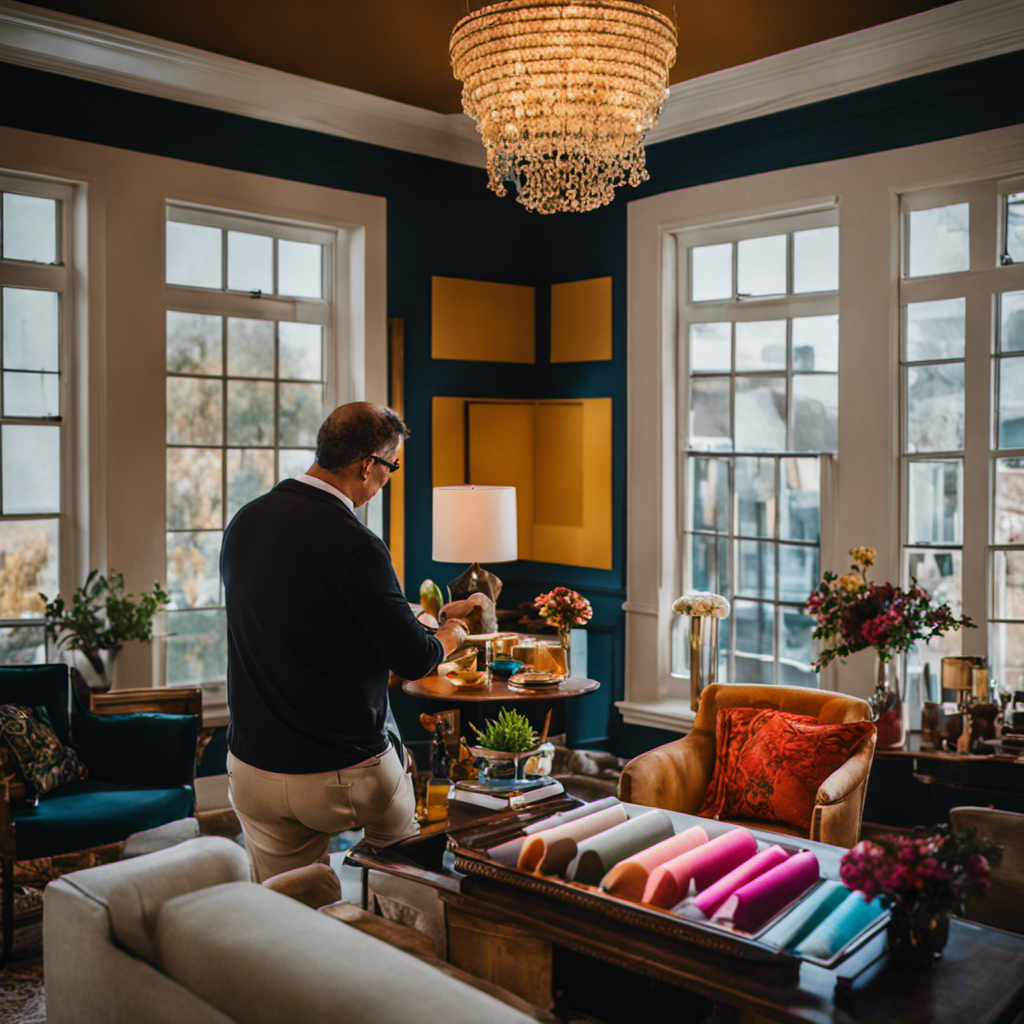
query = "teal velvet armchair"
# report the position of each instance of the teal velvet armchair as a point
(141, 774)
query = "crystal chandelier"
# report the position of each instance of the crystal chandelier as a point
(562, 92)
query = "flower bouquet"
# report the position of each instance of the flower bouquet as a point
(923, 878)
(564, 608)
(852, 613)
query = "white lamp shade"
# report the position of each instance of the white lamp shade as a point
(475, 524)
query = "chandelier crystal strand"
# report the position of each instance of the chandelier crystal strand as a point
(563, 93)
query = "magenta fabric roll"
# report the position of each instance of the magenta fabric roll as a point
(668, 883)
(757, 901)
(715, 895)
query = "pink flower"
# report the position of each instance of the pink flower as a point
(978, 868)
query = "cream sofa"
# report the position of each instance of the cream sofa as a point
(183, 937)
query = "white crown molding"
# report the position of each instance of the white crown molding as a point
(943, 37)
(940, 38)
(51, 41)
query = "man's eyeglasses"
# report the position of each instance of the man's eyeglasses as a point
(393, 466)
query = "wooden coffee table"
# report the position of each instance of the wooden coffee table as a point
(979, 980)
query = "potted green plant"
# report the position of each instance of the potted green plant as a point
(506, 744)
(100, 620)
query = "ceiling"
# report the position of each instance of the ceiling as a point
(398, 49)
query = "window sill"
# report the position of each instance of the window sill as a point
(673, 715)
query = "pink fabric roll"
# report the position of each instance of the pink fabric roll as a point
(669, 883)
(552, 850)
(629, 877)
(757, 901)
(715, 895)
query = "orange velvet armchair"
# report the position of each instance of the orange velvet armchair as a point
(675, 776)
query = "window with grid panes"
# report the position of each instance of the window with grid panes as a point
(962, 327)
(249, 313)
(759, 321)
(35, 282)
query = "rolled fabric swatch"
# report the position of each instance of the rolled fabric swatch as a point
(796, 924)
(551, 851)
(753, 904)
(508, 853)
(629, 877)
(670, 882)
(596, 856)
(846, 922)
(563, 817)
(715, 895)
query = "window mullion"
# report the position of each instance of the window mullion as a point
(977, 483)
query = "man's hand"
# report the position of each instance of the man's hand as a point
(471, 609)
(452, 633)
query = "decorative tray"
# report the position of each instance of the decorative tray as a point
(470, 846)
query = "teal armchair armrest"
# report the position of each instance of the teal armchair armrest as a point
(144, 749)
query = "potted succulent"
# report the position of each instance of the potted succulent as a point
(505, 745)
(99, 621)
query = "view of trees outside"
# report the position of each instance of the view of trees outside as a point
(30, 431)
(245, 398)
(229, 414)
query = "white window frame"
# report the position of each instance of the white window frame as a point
(62, 277)
(340, 265)
(737, 309)
(867, 469)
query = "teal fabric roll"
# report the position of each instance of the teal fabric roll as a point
(848, 920)
(596, 856)
(797, 923)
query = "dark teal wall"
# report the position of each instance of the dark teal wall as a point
(443, 221)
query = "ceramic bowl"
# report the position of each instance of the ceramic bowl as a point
(506, 666)
(467, 678)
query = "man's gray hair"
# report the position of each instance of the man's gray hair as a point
(359, 432)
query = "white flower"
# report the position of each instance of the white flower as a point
(697, 602)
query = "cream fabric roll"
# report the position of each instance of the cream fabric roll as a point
(551, 851)
(508, 853)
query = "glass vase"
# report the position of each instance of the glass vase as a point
(887, 706)
(917, 937)
(703, 655)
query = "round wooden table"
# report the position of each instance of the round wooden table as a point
(437, 688)
(477, 705)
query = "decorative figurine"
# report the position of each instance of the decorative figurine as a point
(441, 759)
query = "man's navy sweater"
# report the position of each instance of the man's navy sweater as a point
(316, 618)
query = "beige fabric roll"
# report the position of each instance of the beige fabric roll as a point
(551, 851)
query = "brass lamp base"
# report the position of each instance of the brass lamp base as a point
(477, 580)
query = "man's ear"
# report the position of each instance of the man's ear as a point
(367, 466)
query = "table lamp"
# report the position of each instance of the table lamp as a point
(475, 523)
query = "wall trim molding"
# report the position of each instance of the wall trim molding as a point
(958, 33)
(671, 715)
(941, 38)
(80, 48)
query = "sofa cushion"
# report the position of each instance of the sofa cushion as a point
(262, 958)
(145, 883)
(89, 813)
(777, 771)
(43, 761)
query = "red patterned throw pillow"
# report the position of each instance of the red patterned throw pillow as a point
(777, 771)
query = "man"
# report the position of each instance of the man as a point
(316, 619)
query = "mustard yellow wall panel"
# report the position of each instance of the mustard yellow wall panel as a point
(448, 445)
(597, 483)
(556, 453)
(581, 320)
(482, 321)
(501, 454)
(558, 442)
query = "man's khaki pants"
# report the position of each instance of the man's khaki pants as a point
(288, 820)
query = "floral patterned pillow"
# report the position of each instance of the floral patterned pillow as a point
(783, 761)
(41, 759)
